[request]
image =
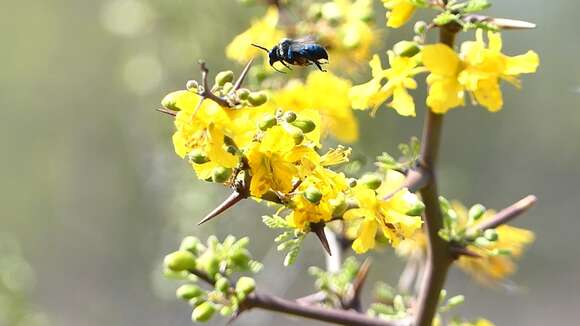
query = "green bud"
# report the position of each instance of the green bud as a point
(221, 174)
(222, 284)
(209, 263)
(245, 285)
(180, 261)
(442, 295)
(371, 181)
(232, 150)
(174, 275)
(197, 156)
(399, 303)
(482, 242)
(417, 209)
(313, 195)
(240, 257)
(227, 87)
(226, 311)
(224, 77)
(420, 27)
(191, 85)
(203, 312)
(243, 93)
(194, 302)
(490, 235)
(352, 182)
(338, 205)
(257, 98)
(188, 292)
(289, 116)
(267, 122)
(476, 212)
(170, 100)
(455, 301)
(190, 244)
(296, 133)
(406, 48)
(305, 125)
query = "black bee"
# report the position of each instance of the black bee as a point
(300, 52)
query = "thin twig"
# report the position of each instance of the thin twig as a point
(509, 213)
(353, 301)
(207, 93)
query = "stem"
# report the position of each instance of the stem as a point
(509, 213)
(340, 317)
(438, 252)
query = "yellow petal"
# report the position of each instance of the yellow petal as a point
(522, 64)
(366, 236)
(488, 94)
(403, 102)
(400, 14)
(444, 94)
(440, 59)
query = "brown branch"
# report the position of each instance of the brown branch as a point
(507, 214)
(353, 301)
(207, 93)
(438, 253)
(336, 316)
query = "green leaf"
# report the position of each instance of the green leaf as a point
(291, 256)
(476, 5)
(445, 18)
(274, 222)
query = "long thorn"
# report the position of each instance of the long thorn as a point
(318, 229)
(243, 75)
(233, 199)
(166, 111)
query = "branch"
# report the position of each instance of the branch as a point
(438, 252)
(509, 213)
(207, 93)
(336, 316)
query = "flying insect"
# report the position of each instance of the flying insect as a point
(299, 52)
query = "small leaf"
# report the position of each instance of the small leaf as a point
(274, 222)
(476, 5)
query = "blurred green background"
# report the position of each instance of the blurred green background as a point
(93, 196)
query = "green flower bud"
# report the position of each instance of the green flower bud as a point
(191, 85)
(197, 156)
(222, 284)
(170, 100)
(194, 302)
(243, 93)
(352, 182)
(338, 205)
(490, 235)
(476, 212)
(313, 195)
(221, 174)
(406, 48)
(227, 87)
(455, 301)
(224, 77)
(257, 98)
(180, 261)
(420, 27)
(203, 312)
(297, 134)
(209, 263)
(267, 122)
(174, 275)
(417, 209)
(245, 285)
(226, 311)
(305, 125)
(240, 257)
(371, 180)
(190, 244)
(188, 292)
(482, 242)
(289, 116)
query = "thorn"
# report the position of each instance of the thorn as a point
(361, 277)
(318, 229)
(166, 111)
(233, 199)
(512, 23)
(243, 75)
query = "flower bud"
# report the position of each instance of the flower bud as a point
(490, 235)
(194, 302)
(417, 209)
(191, 85)
(180, 261)
(243, 93)
(224, 77)
(482, 242)
(267, 122)
(170, 100)
(227, 87)
(190, 244)
(371, 180)
(338, 205)
(406, 48)
(245, 285)
(455, 301)
(289, 116)
(226, 311)
(476, 212)
(209, 263)
(305, 125)
(420, 27)
(188, 291)
(221, 174)
(222, 284)
(203, 312)
(257, 98)
(352, 182)
(173, 275)
(313, 195)
(240, 257)
(297, 134)
(197, 156)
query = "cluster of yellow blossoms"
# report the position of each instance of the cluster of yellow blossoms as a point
(476, 70)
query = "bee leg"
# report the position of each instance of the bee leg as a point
(318, 66)
(277, 69)
(286, 65)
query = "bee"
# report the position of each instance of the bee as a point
(299, 52)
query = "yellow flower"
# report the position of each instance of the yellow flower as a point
(325, 93)
(263, 32)
(477, 70)
(400, 11)
(389, 216)
(272, 161)
(399, 79)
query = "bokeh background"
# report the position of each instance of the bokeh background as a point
(92, 195)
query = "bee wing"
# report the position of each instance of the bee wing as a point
(308, 39)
